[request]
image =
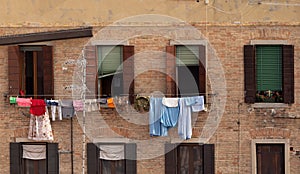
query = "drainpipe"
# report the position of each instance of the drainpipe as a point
(72, 151)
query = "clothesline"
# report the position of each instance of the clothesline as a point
(61, 97)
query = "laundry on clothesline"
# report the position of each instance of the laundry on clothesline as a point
(166, 113)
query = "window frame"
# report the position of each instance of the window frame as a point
(285, 142)
(250, 72)
(91, 56)
(100, 86)
(93, 157)
(171, 68)
(16, 157)
(172, 157)
(16, 57)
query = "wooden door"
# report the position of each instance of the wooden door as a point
(270, 158)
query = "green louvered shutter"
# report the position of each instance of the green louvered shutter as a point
(269, 68)
(109, 59)
(188, 55)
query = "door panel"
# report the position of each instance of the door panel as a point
(270, 158)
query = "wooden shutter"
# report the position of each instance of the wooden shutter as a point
(171, 71)
(14, 81)
(92, 158)
(288, 73)
(48, 72)
(170, 158)
(249, 73)
(209, 158)
(52, 158)
(202, 69)
(15, 158)
(128, 72)
(91, 71)
(130, 156)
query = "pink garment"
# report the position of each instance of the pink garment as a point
(24, 102)
(78, 105)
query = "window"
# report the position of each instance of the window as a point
(270, 158)
(34, 158)
(186, 75)
(116, 158)
(187, 66)
(189, 158)
(30, 71)
(269, 73)
(110, 71)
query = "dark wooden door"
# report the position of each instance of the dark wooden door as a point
(270, 158)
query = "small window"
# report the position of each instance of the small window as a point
(30, 71)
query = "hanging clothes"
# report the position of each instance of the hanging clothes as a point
(54, 106)
(37, 107)
(67, 108)
(12, 100)
(155, 111)
(110, 103)
(59, 110)
(78, 105)
(184, 120)
(170, 112)
(91, 105)
(196, 102)
(40, 128)
(24, 102)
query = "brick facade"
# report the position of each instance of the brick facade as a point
(239, 122)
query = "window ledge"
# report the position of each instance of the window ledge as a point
(111, 140)
(269, 105)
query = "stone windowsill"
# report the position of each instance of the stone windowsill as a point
(269, 105)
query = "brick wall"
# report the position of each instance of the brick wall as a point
(240, 123)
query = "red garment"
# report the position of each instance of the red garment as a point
(37, 107)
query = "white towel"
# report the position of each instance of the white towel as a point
(170, 102)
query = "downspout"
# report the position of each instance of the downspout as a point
(72, 151)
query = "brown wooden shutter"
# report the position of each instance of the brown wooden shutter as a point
(14, 76)
(128, 72)
(170, 158)
(90, 54)
(209, 158)
(202, 70)
(171, 71)
(130, 156)
(48, 72)
(249, 73)
(52, 158)
(92, 158)
(288, 73)
(15, 151)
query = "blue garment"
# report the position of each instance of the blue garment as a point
(156, 128)
(185, 119)
(197, 103)
(169, 116)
